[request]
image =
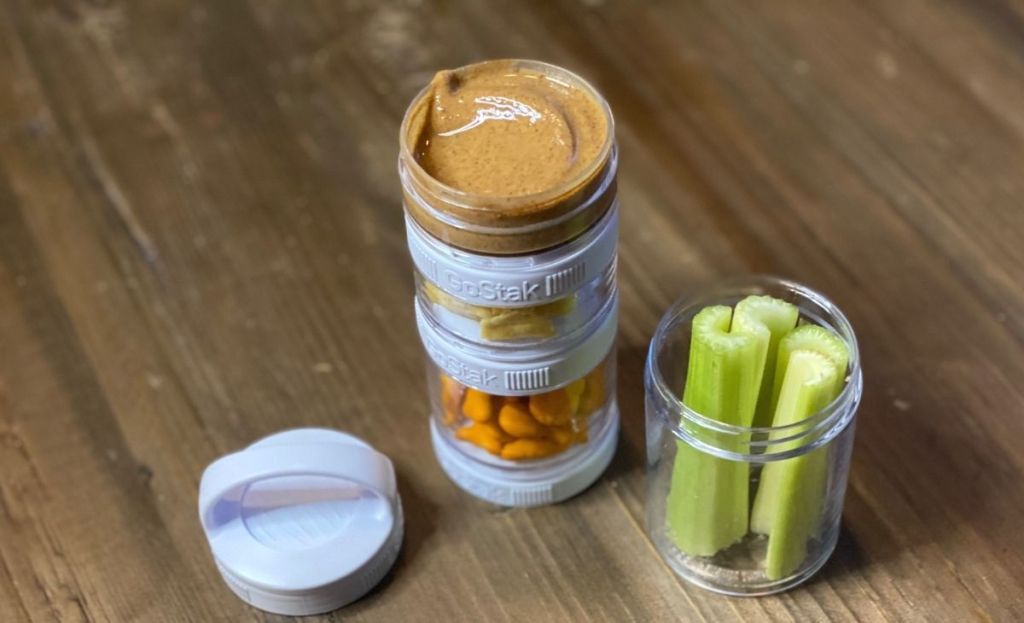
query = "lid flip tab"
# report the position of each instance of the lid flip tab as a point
(302, 522)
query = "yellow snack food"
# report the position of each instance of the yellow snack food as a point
(477, 405)
(499, 323)
(515, 419)
(575, 392)
(439, 296)
(593, 395)
(545, 423)
(451, 398)
(552, 408)
(562, 435)
(484, 435)
(525, 449)
(513, 324)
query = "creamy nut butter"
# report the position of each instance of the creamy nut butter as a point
(507, 157)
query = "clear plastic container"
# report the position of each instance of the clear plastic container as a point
(796, 474)
(521, 426)
(514, 262)
(514, 268)
(498, 429)
(522, 299)
(517, 224)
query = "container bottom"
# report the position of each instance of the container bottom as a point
(735, 572)
(523, 485)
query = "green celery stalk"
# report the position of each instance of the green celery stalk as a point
(799, 509)
(707, 508)
(768, 319)
(809, 375)
(814, 338)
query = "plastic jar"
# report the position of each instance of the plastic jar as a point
(811, 456)
(526, 298)
(523, 426)
(519, 224)
(516, 299)
(523, 268)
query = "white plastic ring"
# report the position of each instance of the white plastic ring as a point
(534, 368)
(515, 281)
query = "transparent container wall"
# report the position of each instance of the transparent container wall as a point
(512, 430)
(744, 511)
(518, 325)
(676, 516)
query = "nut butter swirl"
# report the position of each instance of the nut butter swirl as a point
(507, 157)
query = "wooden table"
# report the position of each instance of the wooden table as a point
(201, 243)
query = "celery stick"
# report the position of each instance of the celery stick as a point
(809, 375)
(815, 338)
(799, 509)
(768, 319)
(708, 502)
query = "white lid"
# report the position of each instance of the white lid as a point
(515, 281)
(302, 522)
(527, 369)
(536, 483)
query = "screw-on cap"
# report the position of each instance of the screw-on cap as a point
(302, 522)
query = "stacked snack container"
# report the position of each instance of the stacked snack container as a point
(516, 300)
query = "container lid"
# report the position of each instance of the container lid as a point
(302, 522)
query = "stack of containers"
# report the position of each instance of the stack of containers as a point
(508, 170)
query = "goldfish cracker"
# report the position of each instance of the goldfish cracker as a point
(525, 449)
(484, 435)
(477, 405)
(451, 398)
(515, 419)
(552, 408)
(573, 433)
(562, 435)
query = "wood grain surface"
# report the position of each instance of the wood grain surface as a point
(201, 243)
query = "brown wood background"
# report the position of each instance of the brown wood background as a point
(201, 243)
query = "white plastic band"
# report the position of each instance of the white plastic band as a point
(537, 486)
(515, 281)
(534, 369)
